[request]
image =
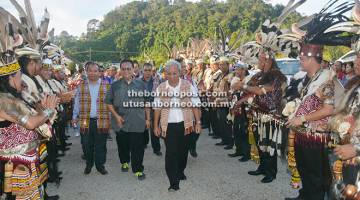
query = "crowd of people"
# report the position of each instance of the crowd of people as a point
(240, 96)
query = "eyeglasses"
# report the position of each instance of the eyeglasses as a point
(126, 68)
(172, 74)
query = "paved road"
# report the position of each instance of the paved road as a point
(213, 175)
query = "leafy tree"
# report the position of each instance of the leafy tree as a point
(139, 28)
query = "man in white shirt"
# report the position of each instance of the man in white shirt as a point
(175, 108)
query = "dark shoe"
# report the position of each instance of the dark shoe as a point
(125, 167)
(228, 147)
(236, 154)
(87, 170)
(55, 197)
(256, 173)
(205, 126)
(83, 157)
(182, 177)
(294, 198)
(173, 188)
(220, 144)
(244, 159)
(215, 137)
(65, 149)
(211, 134)
(57, 160)
(102, 171)
(61, 155)
(68, 144)
(267, 179)
(140, 175)
(193, 153)
(59, 173)
(158, 153)
(109, 138)
(54, 180)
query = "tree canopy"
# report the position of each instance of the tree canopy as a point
(139, 28)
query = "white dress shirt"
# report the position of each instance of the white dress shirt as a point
(175, 113)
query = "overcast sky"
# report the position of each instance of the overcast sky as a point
(73, 15)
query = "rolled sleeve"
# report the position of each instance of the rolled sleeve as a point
(109, 99)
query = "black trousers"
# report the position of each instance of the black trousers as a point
(131, 147)
(313, 166)
(241, 136)
(155, 141)
(60, 130)
(268, 163)
(51, 159)
(95, 146)
(214, 121)
(205, 117)
(82, 141)
(350, 173)
(192, 139)
(176, 152)
(225, 129)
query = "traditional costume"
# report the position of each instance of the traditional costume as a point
(19, 147)
(311, 138)
(345, 123)
(266, 108)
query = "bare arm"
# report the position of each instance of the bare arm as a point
(325, 111)
(259, 90)
(32, 122)
(197, 114)
(113, 111)
(156, 117)
(156, 122)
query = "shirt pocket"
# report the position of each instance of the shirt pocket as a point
(119, 97)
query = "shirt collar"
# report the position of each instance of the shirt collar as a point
(168, 86)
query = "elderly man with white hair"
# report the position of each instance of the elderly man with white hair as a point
(174, 117)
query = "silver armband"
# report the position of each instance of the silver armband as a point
(329, 102)
(23, 120)
(48, 112)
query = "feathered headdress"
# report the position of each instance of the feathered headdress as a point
(311, 33)
(54, 53)
(267, 40)
(8, 41)
(197, 48)
(225, 46)
(352, 27)
(34, 36)
(173, 53)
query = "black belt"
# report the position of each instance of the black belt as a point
(94, 119)
(176, 122)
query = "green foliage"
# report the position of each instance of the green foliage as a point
(334, 53)
(139, 28)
